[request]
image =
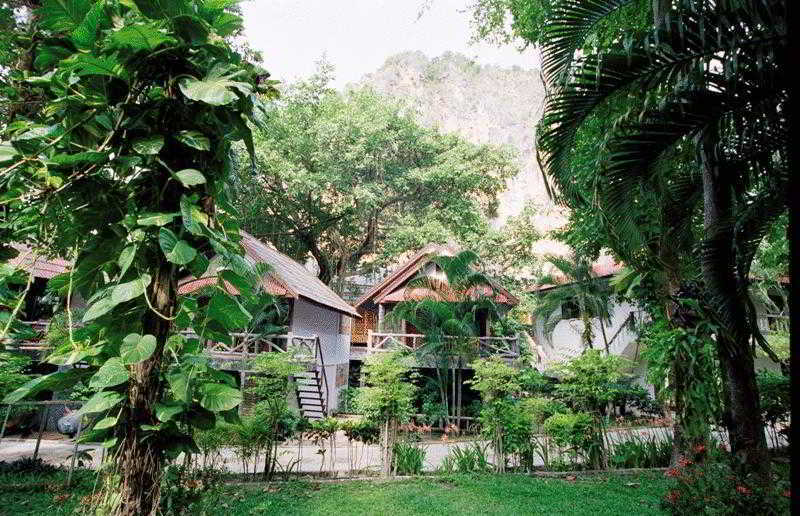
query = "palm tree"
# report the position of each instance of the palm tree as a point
(582, 287)
(709, 81)
(452, 300)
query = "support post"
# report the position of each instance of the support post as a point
(41, 431)
(5, 420)
(74, 452)
(369, 342)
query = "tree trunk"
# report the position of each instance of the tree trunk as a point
(744, 422)
(140, 462)
(605, 339)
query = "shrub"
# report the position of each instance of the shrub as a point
(467, 459)
(577, 432)
(182, 488)
(642, 452)
(347, 401)
(712, 487)
(408, 458)
(12, 376)
(775, 394)
(539, 409)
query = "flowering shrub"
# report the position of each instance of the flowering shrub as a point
(711, 487)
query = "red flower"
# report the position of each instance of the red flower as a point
(787, 493)
(699, 448)
(683, 462)
(744, 490)
(672, 472)
(673, 496)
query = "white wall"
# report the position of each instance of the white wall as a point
(312, 319)
(565, 342)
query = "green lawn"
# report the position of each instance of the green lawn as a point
(436, 495)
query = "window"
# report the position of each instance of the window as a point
(570, 310)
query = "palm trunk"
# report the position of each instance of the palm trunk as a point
(605, 339)
(141, 462)
(744, 422)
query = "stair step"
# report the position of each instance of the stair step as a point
(310, 404)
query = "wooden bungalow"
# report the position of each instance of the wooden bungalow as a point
(374, 332)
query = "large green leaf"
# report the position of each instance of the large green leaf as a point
(126, 258)
(167, 411)
(155, 219)
(176, 251)
(87, 64)
(112, 373)
(194, 139)
(136, 348)
(190, 177)
(101, 402)
(217, 88)
(130, 290)
(100, 307)
(149, 145)
(85, 34)
(228, 311)
(139, 36)
(106, 422)
(179, 384)
(57, 381)
(7, 152)
(70, 355)
(62, 15)
(79, 158)
(217, 397)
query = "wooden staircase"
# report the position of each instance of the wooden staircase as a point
(310, 399)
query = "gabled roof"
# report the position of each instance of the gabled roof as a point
(391, 287)
(38, 265)
(286, 277)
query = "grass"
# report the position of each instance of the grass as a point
(484, 494)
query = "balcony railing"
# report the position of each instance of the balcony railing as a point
(505, 347)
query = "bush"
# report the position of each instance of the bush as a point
(408, 458)
(712, 487)
(775, 394)
(539, 409)
(12, 376)
(182, 488)
(347, 401)
(467, 459)
(364, 431)
(642, 452)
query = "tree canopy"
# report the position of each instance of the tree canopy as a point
(346, 177)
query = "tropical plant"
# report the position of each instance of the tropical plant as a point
(124, 164)
(364, 431)
(577, 431)
(581, 288)
(500, 417)
(408, 458)
(775, 401)
(452, 301)
(388, 397)
(472, 458)
(705, 87)
(648, 451)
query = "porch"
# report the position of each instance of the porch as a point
(381, 342)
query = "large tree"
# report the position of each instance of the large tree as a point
(338, 176)
(123, 167)
(708, 78)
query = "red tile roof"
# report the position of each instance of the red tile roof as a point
(37, 264)
(390, 289)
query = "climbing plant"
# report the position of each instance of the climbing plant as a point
(123, 165)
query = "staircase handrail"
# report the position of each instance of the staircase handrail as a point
(327, 403)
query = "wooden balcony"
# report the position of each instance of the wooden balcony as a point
(504, 347)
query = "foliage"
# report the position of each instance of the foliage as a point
(408, 458)
(183, 487)
(533, 382)
(472, 458)
(648, 451)
(541, 409)
(341, 176)
(590, 295)
(126, 161)
(388, 391)
(573, 430)
(12, 377)
(590, 381)
(713, 487)
(387, 397)
(27, 465)
(362, 430)
(347, 400)
(662, 345)
(500, 417)
(775, 399)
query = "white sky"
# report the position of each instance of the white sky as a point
(357, 36)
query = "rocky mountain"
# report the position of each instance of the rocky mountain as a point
(482, 103)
